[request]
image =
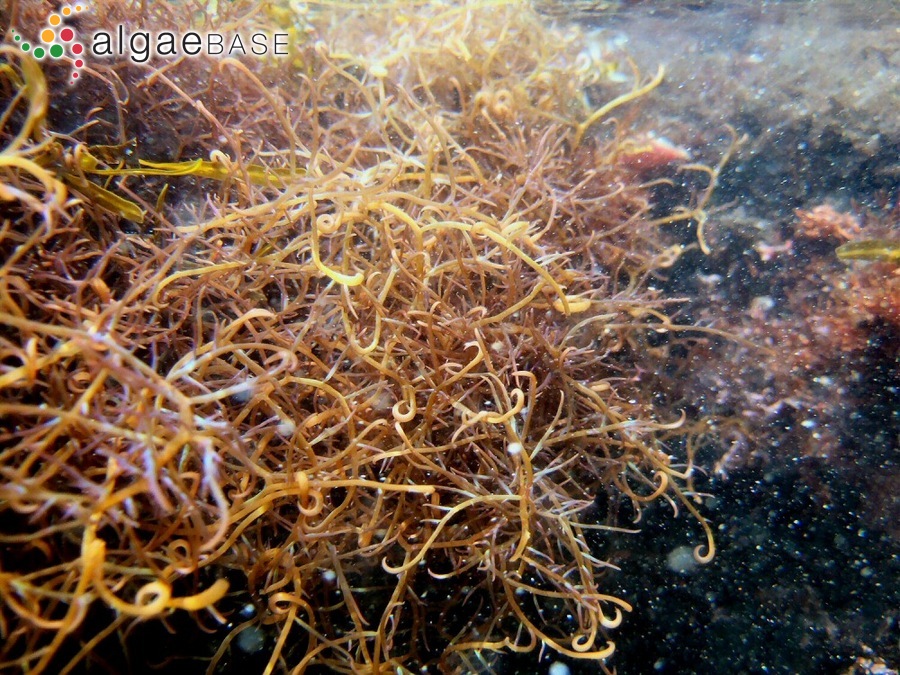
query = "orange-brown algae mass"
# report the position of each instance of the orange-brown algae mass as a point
(378, 398)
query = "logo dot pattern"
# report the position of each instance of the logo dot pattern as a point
(57, 38)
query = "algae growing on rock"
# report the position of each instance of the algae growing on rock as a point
(364, 385)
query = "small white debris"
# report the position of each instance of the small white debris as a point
(286, 429)
(681, 560)
(251, 640)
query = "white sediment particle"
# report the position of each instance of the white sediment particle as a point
(681, 560)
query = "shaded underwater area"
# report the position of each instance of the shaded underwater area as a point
(804, 487)
(418, 341)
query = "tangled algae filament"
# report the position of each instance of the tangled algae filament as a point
(373, 386)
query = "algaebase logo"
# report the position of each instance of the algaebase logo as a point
(56, 39)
